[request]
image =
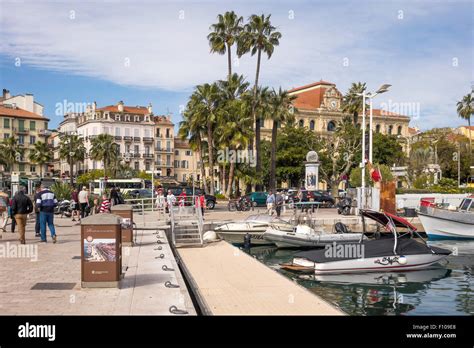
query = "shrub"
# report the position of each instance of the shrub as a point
(61, 190)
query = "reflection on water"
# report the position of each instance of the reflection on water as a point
(445, 289)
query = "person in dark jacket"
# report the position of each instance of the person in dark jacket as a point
(37, 213)
(21, 207)
(46, 202)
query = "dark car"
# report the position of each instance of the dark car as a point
(324, 197)
(140, 193)
(258, 199)
(210, 199)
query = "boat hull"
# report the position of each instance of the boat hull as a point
(442, 228)
(237, 237)
(387, 263)
(284, 239)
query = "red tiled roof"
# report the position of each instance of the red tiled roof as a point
(181, 143)
(314, 84)
(308, 97)
(130, 109)
(163, 119)
(20, 113)
(381, 112)
(413, 131)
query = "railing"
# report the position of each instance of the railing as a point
(148, 139)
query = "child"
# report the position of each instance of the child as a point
(105, 205)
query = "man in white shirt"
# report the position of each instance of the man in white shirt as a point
(83, 198)
(170, 199)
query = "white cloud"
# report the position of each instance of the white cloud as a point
(171, 53)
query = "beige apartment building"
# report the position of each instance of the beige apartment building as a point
(22, 117)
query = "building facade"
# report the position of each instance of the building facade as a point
(319, 108)
(22, 117)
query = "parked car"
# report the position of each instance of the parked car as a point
(140, 193)
(258, 199)
(211, 200)
(324, 197)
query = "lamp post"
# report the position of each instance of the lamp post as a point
(368, 95)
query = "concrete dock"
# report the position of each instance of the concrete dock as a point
(227, 281)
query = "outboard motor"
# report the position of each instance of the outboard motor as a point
(341, 228)
(344, 206)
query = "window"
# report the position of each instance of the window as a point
(117, 131)
(331, 126)
(46, 125)
(117, 117)
(137, 166)
(311, 125)
(147, 150)
(184, 177)
(188, 153)
(21, 139)
(399, 130)
(301, 123)
(136, 149)
(147, 165)
(136, 132)
(176, 152)
(127, 148)
(168, 145)
(32, 139)
(167, 132)
(33, 169)
(377, 128)
(147, 133)
(390, 129)
(6, 123)
(6, 136)
(21, 124)
(32, 125)
(158, 145)
(136, 118)
(127, 132)
(168, 160)
(176, 163)
(21, 167)
(158, 132)
(184, 164)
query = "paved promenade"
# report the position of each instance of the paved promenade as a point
(142, 289)
(230, 282)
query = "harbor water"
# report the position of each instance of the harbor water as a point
(444, 289)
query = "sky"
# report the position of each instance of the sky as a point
(155, 52)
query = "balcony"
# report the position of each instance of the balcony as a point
(136, 155)
(127, 138)
(118, 137)
(148, 139)
(164, 150)
(21, 130)
(148, 155)
(44, 133)
(136, 139)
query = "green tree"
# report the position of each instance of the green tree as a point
(387, 150)
(225, 33)
(281, 111)
(355, 178)
(72, 149)
(352, 101)
(259, 35)
(10, 152)
(465, 109)
(103, 148)
(41, 154)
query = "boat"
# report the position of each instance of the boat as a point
(304, 236)
(395, 251)
(255, 226)
(447, 223)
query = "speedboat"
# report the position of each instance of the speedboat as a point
(395, 251)
(442, 223)
(304, 236)
(255, 226)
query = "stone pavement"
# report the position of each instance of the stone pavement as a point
(142, 289)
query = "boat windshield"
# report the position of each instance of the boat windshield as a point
(465, 204)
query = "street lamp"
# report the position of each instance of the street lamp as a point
(382, 89)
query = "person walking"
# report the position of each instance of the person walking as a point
(37, 212)
(75, 205)
(3, 210)
(12, 216)
(170, 200)
(182, 199)
(279, 200)
(105, 204)
(46, 202)
(83, 198)
(21, 207)
(200, 202)
(160, 203)
(270, 202)
(114, 196)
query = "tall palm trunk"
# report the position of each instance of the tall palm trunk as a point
(231, 179)
(257, 118)
(470, 139)
(211, 156)
(273, 156)
(71, 167)
(229, 62)
(203, 170)
(223, 182)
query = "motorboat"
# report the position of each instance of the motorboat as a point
(254, 226)
(449, 223)
(304, 236)
(393, 251)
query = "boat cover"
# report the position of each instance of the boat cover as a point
(371, 248)
(384, 219)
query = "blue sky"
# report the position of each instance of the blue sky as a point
(156, 51)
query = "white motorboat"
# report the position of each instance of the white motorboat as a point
(304, 236)
(442, 223)
(396, 252)
(254, 226)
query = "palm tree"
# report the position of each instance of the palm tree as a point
(205, 101)
(41, 154)
(104, 149)
(258, 36)
(10, 152)
(193, 128)
(224, 34)
(465, 109)
(71, 148)
(352, 101)
(281, 112)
